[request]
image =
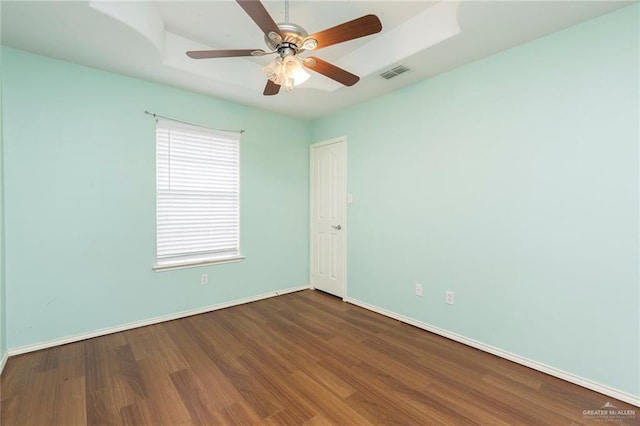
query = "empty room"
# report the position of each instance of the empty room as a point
(302, 212)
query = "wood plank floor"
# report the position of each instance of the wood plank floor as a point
(302, 358)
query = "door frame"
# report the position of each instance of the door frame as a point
(342, 140)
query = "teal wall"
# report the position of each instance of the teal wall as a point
(3, 305)
(512, 181)
(80, 201)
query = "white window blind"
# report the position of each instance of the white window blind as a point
(198, 184)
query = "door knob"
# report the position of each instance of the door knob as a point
(338, 227)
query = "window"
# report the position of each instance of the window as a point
(198, 195)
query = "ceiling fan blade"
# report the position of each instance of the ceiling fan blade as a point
(331, 71)
(360, 27)
(271, 88)
(206, 54)
(260, 16)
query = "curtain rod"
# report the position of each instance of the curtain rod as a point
(186, 122)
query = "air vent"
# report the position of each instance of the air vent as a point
(394, 72)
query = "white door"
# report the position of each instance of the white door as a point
(328, 216)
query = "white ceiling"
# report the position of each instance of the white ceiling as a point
(148, 40)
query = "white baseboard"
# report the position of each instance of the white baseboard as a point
(3, 361)
(552, 371)
(109, 330)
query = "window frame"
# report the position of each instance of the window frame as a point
(193, 258)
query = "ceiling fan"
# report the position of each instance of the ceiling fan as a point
(288, 40)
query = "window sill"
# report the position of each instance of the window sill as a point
(196, 264)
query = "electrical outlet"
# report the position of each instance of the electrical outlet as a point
(449, 297)
(419, 290)
(204, 279)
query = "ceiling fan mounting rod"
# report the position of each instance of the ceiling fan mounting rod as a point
(286, 11)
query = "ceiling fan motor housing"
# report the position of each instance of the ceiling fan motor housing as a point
(289, 33)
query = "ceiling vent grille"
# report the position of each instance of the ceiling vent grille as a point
(394, 72)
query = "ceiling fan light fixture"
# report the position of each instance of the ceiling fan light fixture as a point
(287, 72)
(273, 70)
(293, 68)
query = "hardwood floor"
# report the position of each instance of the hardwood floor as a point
(302, 358)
